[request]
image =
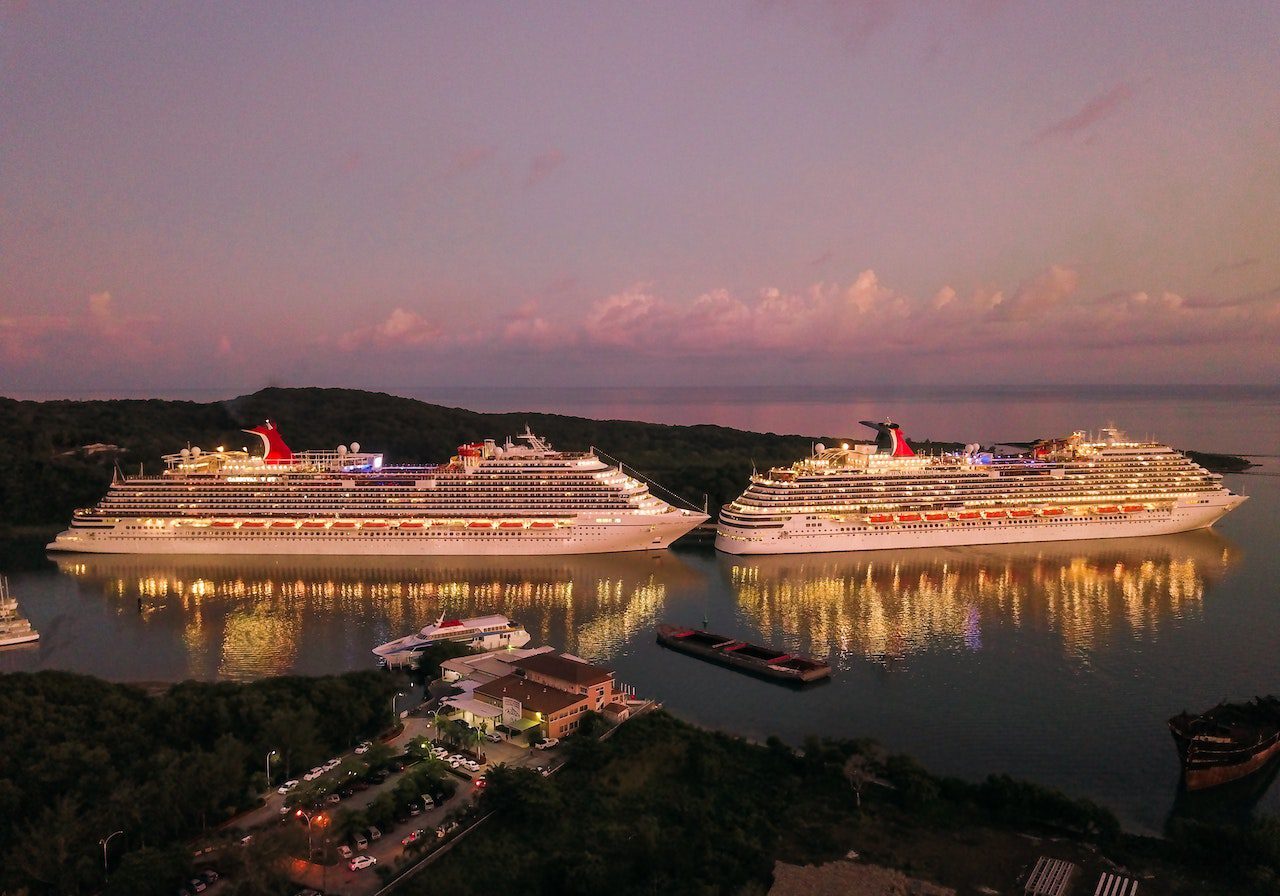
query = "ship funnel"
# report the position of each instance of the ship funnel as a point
(889, 439)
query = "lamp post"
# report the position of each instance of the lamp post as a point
(104, 843)
(394, 717)
(302, 813)
(269, 755)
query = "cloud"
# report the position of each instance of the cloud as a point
(541, 166)
(97, 330)
(1038, 295)
(1102, 106)
(469, 158)
(1237, 265)
(401, 329)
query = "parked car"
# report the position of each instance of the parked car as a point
(493, 737)
(428, 802)
(414, 810)
(414, 837)
(333, 799)
(197, 885)
(363, 748)
(359, 863)
(379, 776)
(331, 764)
(345, 851)
(471, 765)
(374, 833)
(546, 744)
(314, 773)
(209, 875)
(360, 841)
(481, 783)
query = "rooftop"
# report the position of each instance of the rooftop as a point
(534, 696)
(573, 671)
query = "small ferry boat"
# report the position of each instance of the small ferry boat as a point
(479, 632)
(767, 662)
(14, 627)
(1228, 742)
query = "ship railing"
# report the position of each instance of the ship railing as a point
(671, 496)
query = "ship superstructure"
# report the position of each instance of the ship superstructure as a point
(489, 499)
(868, 497)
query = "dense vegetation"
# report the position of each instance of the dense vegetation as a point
(81, 758)
(663, 807)
(48, 473)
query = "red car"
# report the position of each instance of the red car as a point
(412, 838)
(481, 783)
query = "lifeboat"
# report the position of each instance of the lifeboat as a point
(375, 524)
(1052, 511)
(994, 514)
(254, 524)
(1110, 508)
(510, 525)
(284, 524)
(880, 518)
(968, 515)
(935, 517)
(542, 525)
(223, 524)
(480, 524)
(412, 525)
(313, 524)
(908, 517)
(1020, 514)
(1134, 508)
(344, 524)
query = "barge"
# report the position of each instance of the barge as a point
(767, 662)
(1228, 742)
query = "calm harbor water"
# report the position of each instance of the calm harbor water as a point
(1056, 662)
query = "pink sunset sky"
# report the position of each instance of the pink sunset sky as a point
(381, 195)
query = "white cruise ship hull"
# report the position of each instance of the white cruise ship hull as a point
(135, 536)
(805, 534)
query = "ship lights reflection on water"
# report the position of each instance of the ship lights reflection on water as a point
(891, 604)
(244, 618)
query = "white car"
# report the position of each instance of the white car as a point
(314, 773)
(471, 765)
(359, 863)
(331, 765)
(455, 762)
(286, 787)
(547, 744)
(363, 748)
(493, 737)
(440, 752)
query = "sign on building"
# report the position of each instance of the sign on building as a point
(512, 711)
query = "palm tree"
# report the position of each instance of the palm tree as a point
(475, 737)
(435, 719)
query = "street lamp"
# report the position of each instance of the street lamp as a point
(104, 852)
(393, 706)
(269, 755)
(302, 813)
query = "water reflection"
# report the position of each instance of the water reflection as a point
(889, 604)
(246, 617)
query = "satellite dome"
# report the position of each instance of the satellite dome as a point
(497, 452)
(819, 447)
(184, 453)
(342, 449)
(355, 447)
(195, 452)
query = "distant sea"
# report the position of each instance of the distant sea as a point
(1226, 419)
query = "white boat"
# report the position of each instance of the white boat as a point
(480, 633)
(885, 496)
(489, 499)
(14, 627)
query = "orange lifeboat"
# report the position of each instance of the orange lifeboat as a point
(968, 515)
(542, 525)
(1134, 508)
(284, 524)
(344, 524)
(994, 514)
(412, 525)
(480, 524)
(313, 524)
(223, 524)
(1020, 514)
(253, 524)
(375, 524)
(935, 517)
(881, 518)
(1052, 511)
(510, 525)
(1110, 508)
(908, 517)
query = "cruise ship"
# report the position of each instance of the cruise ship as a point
(489, 499)
(870, 497)
(480, 633)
